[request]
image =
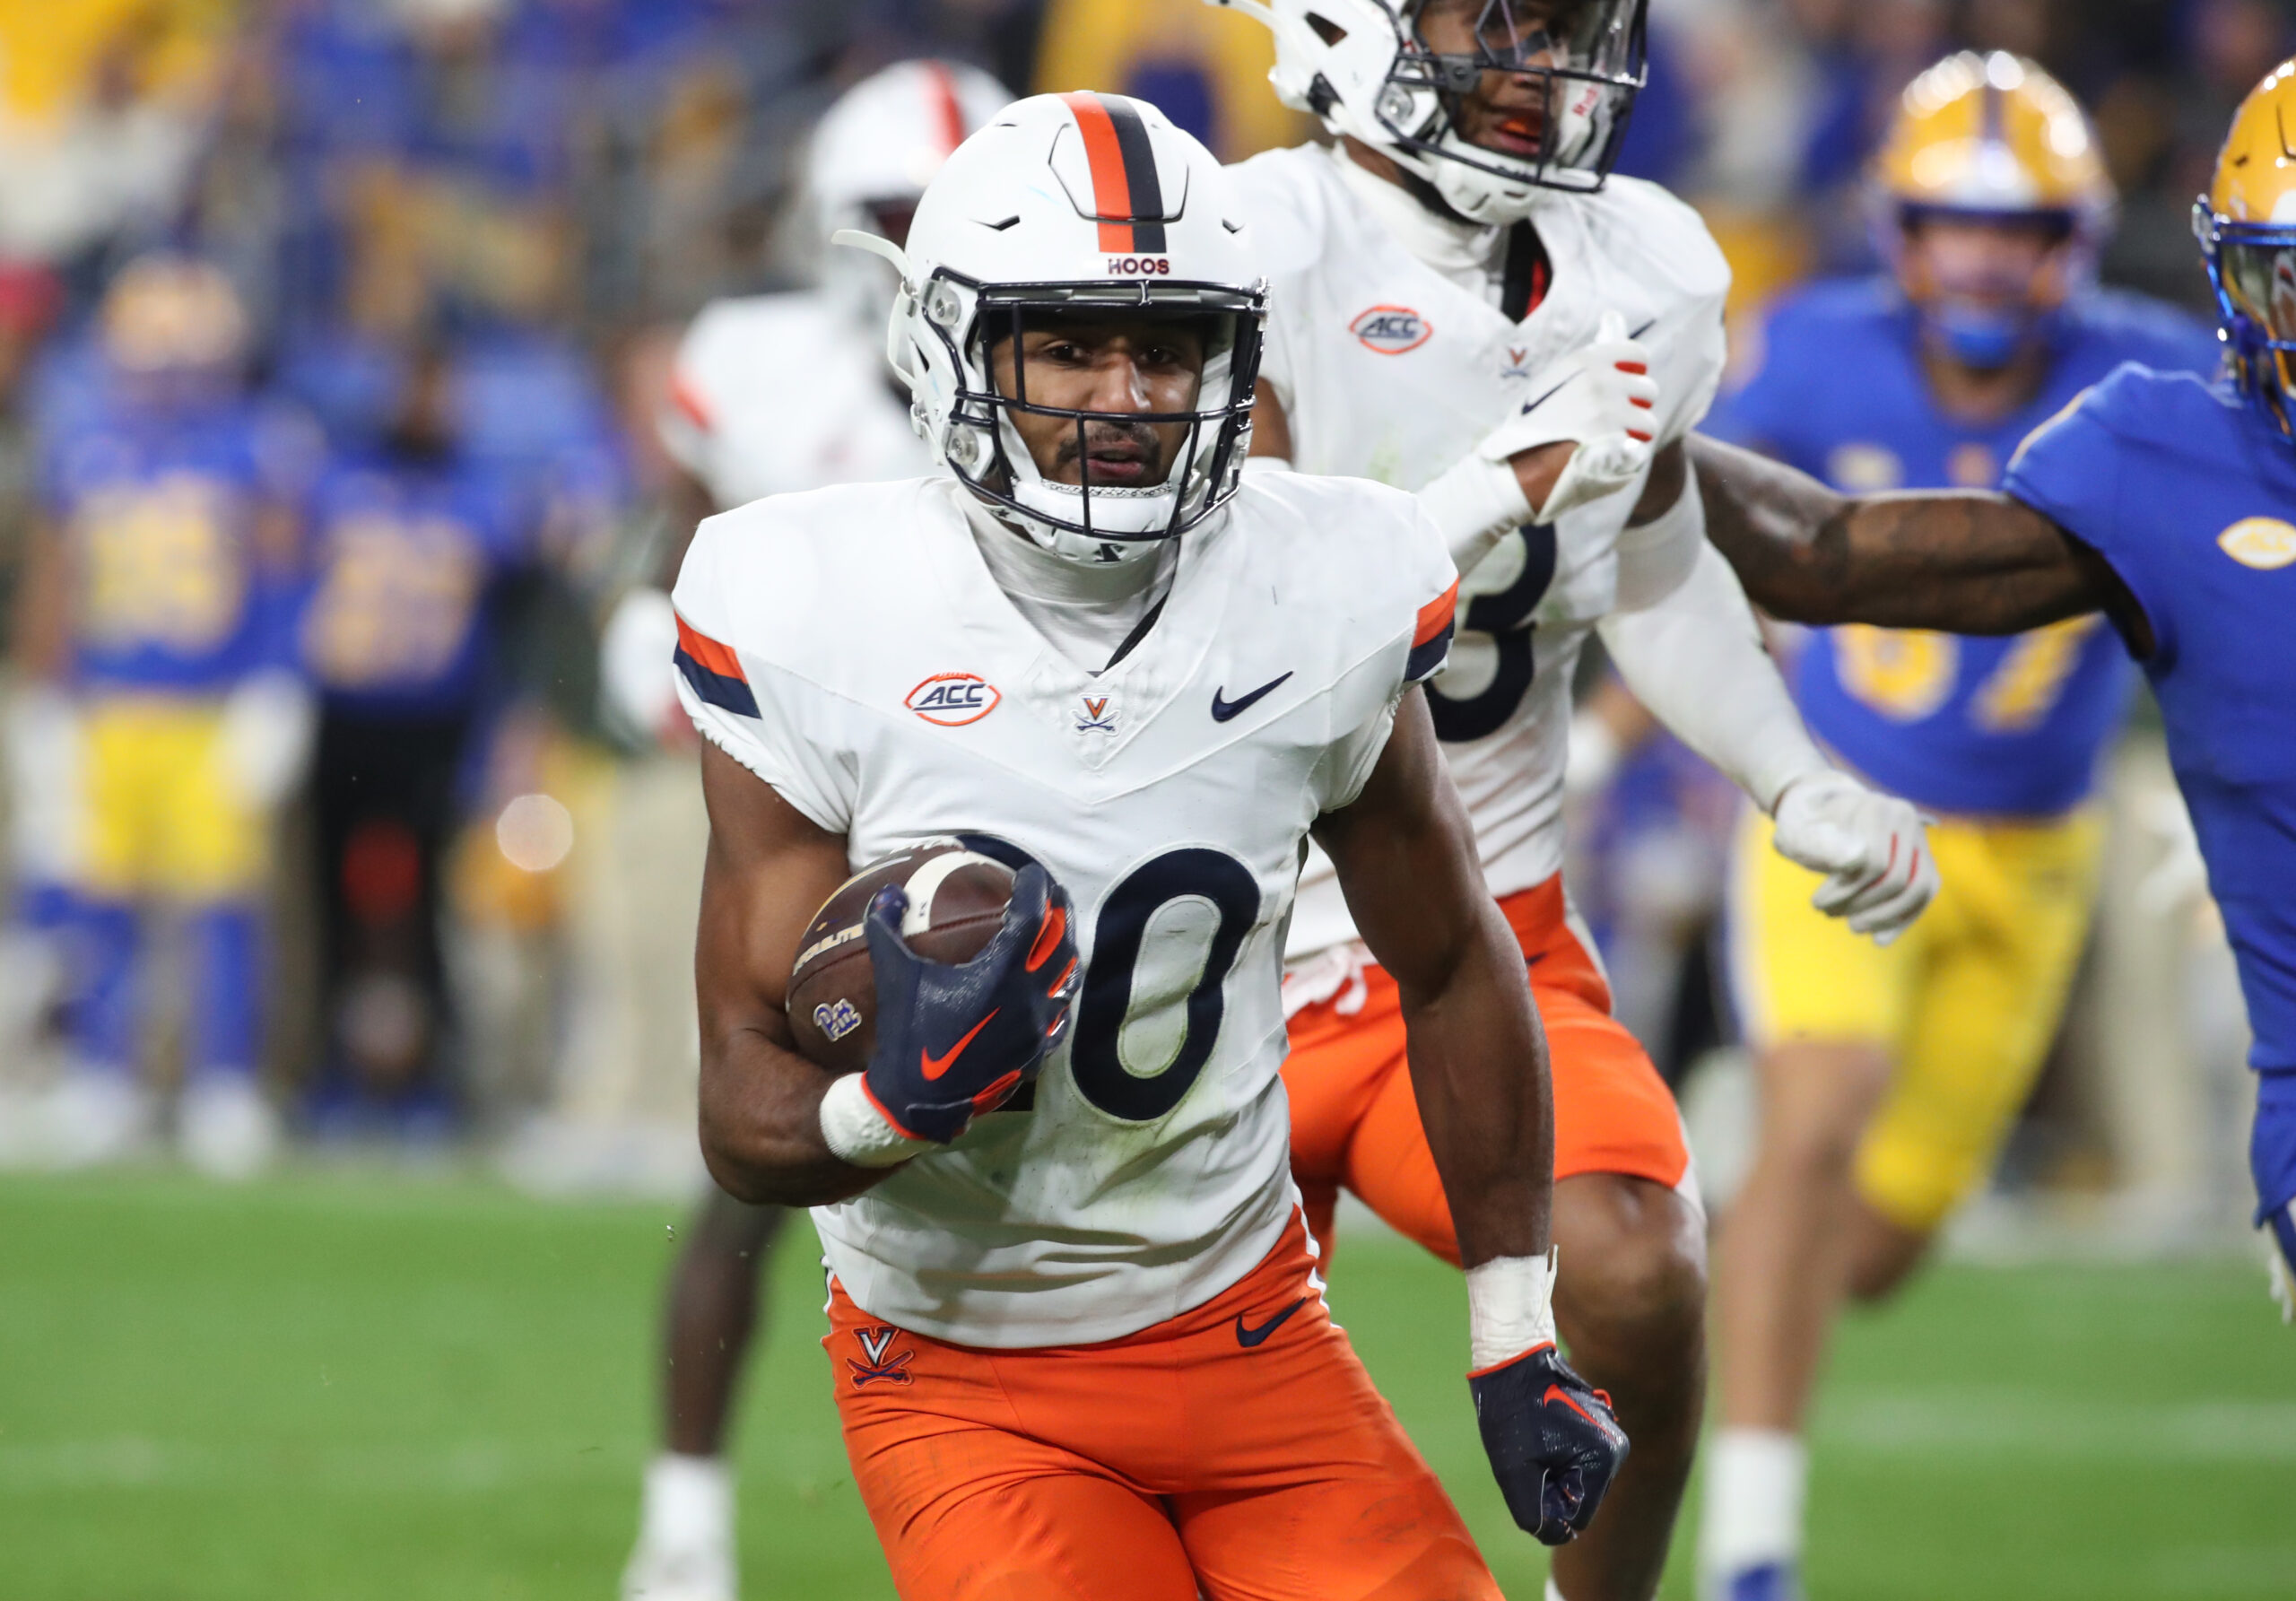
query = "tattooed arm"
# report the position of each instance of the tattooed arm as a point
(1965, 563)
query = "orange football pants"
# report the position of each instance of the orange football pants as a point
(1236, 1452)
(1355, 1121)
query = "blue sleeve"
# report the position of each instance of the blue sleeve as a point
(1760, 408)
(2272, 1159)
(2069, 470)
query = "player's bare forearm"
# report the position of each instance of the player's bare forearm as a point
(1967, 562)
(767, 869)
(1406, 860)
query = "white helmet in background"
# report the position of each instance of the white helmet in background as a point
(880, 143)
(1363, 67)
(1077, 204)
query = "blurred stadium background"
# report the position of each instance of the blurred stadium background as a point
(411, 1358)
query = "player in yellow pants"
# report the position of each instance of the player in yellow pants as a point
(1963, 1009)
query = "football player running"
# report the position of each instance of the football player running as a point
(772, 394)
(1890, 1077)
(1460, 294)
(1077, 1334)
(2165, 501)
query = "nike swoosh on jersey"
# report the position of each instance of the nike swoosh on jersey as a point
(935, 1066)
(1222, 710)
(1251, 1337)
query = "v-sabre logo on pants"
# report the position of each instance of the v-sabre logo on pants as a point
(879, 1361)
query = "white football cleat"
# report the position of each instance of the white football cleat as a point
(685, 1541)
(91, 1117)
(225, 1128)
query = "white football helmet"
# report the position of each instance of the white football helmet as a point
(878, 145)
(1363, 67)
(1068, 204)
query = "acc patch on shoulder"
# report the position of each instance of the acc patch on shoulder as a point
(2264, 542)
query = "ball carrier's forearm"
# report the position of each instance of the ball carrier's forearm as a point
(1405, 857)
(1489, 1112)
(1962, 561)
(766, 869)
(761, 1102)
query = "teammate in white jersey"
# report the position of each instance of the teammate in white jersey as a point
(1455, 284)
(1078, 1340)
(772, 394)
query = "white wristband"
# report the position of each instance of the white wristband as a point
(1473, 506)
(857, 1132)
(1510, 1309)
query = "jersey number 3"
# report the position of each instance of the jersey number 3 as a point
(1497, 627)
(1149, 1010)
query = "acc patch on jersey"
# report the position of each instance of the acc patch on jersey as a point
(1391, 330)
(953, 699)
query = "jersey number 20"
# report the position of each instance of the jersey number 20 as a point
(1150, 1007)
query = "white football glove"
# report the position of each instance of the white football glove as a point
(1873, 849)
(270, 721)
(1603, 396)
(637, 677)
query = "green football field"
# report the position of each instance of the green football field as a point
(349, 1386)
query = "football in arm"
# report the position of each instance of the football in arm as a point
(956, 903)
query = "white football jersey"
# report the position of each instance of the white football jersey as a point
(853, 652)
(776, 394)
(1388, 369)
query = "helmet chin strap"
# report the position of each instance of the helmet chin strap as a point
(1123, 511)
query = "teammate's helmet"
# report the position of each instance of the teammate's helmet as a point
(174, 332)
(1366, 68)
(167, 313)
(1993, 136)
(876, 148)
(879, 145)
(2247, 224)
(1077, 204)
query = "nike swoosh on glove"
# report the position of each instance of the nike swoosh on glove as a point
(956, 1039)
(1873, 849)
(1553, 1442)
(1602, 396)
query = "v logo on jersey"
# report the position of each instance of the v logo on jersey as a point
(935, 1066)
(1223, 709)
(874, 1365)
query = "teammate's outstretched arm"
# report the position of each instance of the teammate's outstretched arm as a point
(1970, 563)
(769, 869)
(1405, 857)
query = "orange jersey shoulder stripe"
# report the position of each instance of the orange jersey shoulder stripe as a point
(1435, 616)
(709, 652)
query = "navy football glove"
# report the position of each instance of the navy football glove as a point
(955, 1041)
(1552, 1441)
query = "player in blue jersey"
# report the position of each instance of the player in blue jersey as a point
(1890, 1077)
(160, 593)
(413, 541)
(2169, 504)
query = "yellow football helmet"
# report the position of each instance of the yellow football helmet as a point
(2246, 226)
(1992, 136)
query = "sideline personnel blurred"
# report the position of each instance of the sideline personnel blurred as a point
(160, 591)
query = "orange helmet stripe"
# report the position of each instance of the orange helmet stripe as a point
(945, 102)
(1111, 184)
